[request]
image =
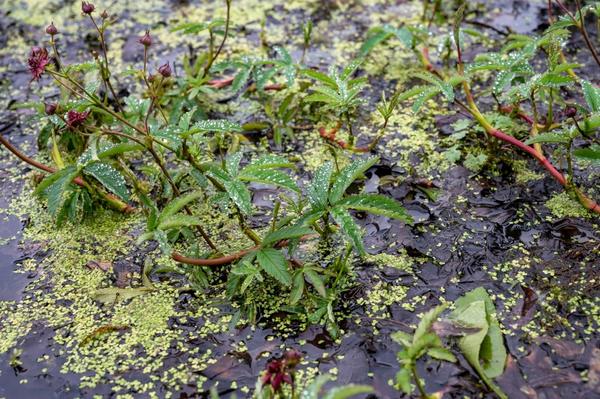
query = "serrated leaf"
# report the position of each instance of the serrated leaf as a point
(318, 190)
(274, 264)
(239, 194)
(442, 354)
(177, 221)
(217, 125)
(285, 233)
(321, 77)
(373, 40)
(232, 163)
(297, 288)
(591, 94)
(349, 227)
(348, 175)
(589, 154)
(109, 177)
(177, 204)
(376, 204)
(316, 281)
(403, 338)
(268, 161)
(273, 177)
(549, 138)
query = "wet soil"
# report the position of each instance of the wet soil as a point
(483, 229)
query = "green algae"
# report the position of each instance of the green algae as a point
(562, 205)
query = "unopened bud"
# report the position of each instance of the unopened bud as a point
(165, 70)
(50, 108)
(104, 14)
(146, 40)
(570, 111)
(87, 8)
(51, 29)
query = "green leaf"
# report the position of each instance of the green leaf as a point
(347, 175)
(176, 221)
(312, 391)
(297, 288)
(373, 40)
(239, 194)
(316, 281)
(442, 354)
(347, 391)
(274, 264)
(267, 162)
(403, 380)
(109, 177)
(349, 227)
(215, 125)
(549, 138)
(589, 154)
(376, 204)
(321, 77)
(273, 177)
(318, 190)
(177, 204)
(285, 233)
(404, 339)
(591, 94)
(427, 321)
(483, 349)
(232, 163)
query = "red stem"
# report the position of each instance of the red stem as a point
(126, 208)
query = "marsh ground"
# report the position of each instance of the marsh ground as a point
(532, 247)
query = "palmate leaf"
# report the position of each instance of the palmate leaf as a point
(349, 227)
(348, 175)
(270, 176)
(109, 177)
(318, 190)
(376, 204)
(274, 264)
(316, 281)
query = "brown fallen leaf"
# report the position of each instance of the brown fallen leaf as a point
(98, 264)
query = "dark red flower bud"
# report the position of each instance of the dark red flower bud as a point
(37, 61)
(570, 111)
(75, 119)
(51, 29)
(146, 40)
(87, 8)
(104, 14)
(50, 108)
(292, 357)
(165, 70)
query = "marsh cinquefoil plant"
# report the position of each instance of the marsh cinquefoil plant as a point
(518, 84)
(189, 163)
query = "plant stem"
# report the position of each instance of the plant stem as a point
(113, 201)
(105, 71)
(226, 33)
(418, 382)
